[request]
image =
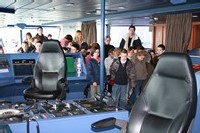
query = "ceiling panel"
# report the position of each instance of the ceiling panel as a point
(59, 12)
(6, 3)
(20, 4)
(21, 10)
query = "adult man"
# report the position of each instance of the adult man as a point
(130, 39)
(40, 35)
(108, 46)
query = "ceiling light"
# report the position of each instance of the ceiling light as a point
(88, 13)
(194, 16)
(155, 18)
(121, 7)
(98, 11)
(69, 4)
(147, 17)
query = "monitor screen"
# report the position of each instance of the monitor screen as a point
(70, 65)
(4, 65)
(23, 67)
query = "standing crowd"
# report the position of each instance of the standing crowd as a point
(127, 68)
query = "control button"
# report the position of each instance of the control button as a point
(44, 116)
(68, 105)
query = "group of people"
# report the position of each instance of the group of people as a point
(126, 67)
(68, 43)
(74, 45)
(33, 44)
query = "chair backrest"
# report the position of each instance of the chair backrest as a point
(168, 102)
(50, 66)
(49, 76)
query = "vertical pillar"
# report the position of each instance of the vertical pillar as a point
(102, 71)
(21, 40)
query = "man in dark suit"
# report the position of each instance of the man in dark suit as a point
(108, 46)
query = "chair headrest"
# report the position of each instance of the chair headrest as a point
(52, 46)
(179, 65)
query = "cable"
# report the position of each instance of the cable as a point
(27, 124)
(37, 125)
(30, 107)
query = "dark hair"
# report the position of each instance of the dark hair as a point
(161, 46)
(49, 35)
(39, 42)
(69, 37)
(132, 26)
(75, 45)
(108, 36)
(25, 42)
(79, 31)
(140, 48)
(93, 49)
(110, 50)
(40, 27)
(95, 44)
(131, 48)
(151, 50)
(1, 48)
(124, 51)
(28, 33)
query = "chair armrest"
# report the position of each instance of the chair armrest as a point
(109, 123)
(104, 123)
(63, 87)
(27, 80)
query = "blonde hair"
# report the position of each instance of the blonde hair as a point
(117, 52)
(78, 38)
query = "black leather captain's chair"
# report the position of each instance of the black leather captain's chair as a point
(49, 77)
(168, 103)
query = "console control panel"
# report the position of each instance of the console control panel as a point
(19, 111)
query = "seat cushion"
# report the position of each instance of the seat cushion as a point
(155, 124)
(34, 93)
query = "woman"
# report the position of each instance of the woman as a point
(79, 39)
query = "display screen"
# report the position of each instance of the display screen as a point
(3, 64)
(70, 65)
(23, 67)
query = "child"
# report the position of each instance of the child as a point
(93, 69)
(107, 62)
(38, 47)
(123, 73)
(141, 73)
(24, 48)
(74, 48)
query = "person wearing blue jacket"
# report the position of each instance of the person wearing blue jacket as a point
(93, 70)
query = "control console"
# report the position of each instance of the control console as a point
(19, 111)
